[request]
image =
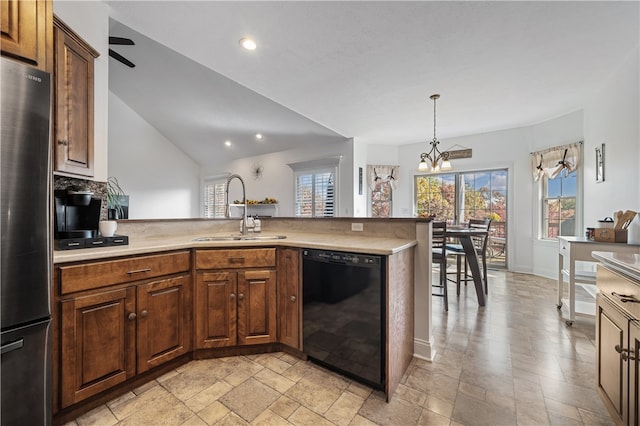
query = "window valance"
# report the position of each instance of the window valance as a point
(382, 173)
(552, 161)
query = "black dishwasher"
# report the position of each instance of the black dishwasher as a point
(343, 313)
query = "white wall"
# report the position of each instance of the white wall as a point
(277, 177)
(506, 149)
(90, 20)
(612, 117)
(161, 181)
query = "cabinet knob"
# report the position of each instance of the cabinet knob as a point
(62, 142)
(232, 296)
(132, 316)
(144, 313)
(240, 296)
(293, 298)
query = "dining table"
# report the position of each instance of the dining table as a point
(465, 236)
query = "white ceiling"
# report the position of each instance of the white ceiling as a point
(361, 69)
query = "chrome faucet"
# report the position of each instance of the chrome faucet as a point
(244, 201)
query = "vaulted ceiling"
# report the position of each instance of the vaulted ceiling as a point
(328, 70)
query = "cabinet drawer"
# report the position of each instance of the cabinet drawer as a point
(241, 258)
(100, 274)
(623, 292)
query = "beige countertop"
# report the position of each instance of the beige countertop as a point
(327, 241)
(625, 263)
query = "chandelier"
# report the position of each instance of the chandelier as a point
(436, 160)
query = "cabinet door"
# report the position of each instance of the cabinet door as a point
(289, 306)
(164, 321)
(634, 379)
(97, 343)
(215, 301)
(256, 307)
(74, 104)
(26, 30)
(611, 370)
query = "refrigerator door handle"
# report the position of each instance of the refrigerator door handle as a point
(18, 344)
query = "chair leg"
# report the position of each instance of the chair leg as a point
(458, 267)
(484, 272)
(443, 282)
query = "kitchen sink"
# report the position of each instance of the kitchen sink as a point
(240, 237)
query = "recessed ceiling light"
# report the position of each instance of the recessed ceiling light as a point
(259, 136)
(227, 143)
(248, 43)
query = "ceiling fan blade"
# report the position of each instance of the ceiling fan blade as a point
(115, 55)
(121, 40)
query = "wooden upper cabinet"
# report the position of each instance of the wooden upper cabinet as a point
(26, 31)
(74, 109)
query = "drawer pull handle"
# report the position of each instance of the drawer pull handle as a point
(139, 271)
(624, 298)
(73, 244)
(625, 354)
(97, 243)
(236, 260)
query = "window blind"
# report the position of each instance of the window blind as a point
(315, 194)
(214, 203)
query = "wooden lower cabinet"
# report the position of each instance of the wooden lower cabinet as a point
(235, 308)
(289, 302)
(618, 344)
(611, 371)
(164, 321)
(108, 337)
(98, 343)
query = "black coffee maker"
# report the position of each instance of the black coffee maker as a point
(77, 214)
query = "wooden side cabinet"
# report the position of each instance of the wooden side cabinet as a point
(74, 109)
(98, 343)
(289, 302)
(26, 31)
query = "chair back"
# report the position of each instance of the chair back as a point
(482, 224)
(438, 237)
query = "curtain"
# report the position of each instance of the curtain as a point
(382, 173)
(552, 161)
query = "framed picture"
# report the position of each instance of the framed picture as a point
(600, 163)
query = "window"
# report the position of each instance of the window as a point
(213, 199)
(381, 198)
(458, 197)
(558, 173)
(315, 194)
(559, 205)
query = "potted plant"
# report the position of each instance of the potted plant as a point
(115, 198)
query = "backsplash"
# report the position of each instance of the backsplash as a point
(99, 189)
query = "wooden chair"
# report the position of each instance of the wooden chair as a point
(439, 256)
(480, 243)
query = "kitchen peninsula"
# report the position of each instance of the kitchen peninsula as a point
(112, 294)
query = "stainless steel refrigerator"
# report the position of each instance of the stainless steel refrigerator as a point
(25, 269)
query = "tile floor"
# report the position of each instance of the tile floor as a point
(512, 362)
